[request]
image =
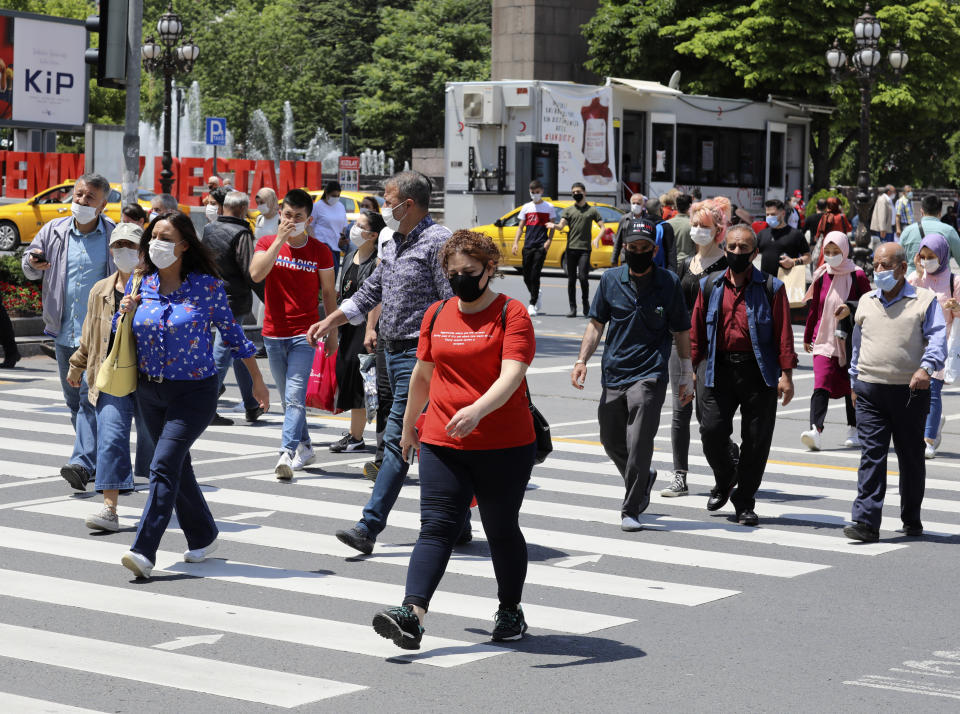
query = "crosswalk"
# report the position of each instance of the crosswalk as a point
(282, 583)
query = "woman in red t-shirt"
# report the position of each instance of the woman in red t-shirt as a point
(477, 436)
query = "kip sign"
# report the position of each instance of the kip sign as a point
(43, 79)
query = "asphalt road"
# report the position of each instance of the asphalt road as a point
(692, 614)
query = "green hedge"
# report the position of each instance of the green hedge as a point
(811, 206)
(11, 272)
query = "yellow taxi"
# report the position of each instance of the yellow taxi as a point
(20, 222)
(504, 230)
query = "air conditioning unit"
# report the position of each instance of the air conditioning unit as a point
(482, 105)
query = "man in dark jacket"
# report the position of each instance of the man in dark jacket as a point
(230, 241)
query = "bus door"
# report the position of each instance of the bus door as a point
(776, 160)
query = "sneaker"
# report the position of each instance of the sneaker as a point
(811, 439)
(400, 625)
(347, 443)
(861, 531)
(251, 415)
(678, 487)
(539, 305)
(220, 421)
(586, 309)
(630, 524)
(508, 624)
(532, 310)
(370, 470)
(929, 451)
(303, 457)
(936, 442)
(137, 564)
(284, 467)
(104, 520)
(198, 555)
(852, 438)
(573, 312)
(76, 475)
(356, 539)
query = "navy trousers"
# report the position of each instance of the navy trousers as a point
(886, 411)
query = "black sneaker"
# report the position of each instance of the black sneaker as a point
(356, 539)
(252, 415)
(76, 475)
(400, 625)
(220, 421)
(370, 470)
(347, 443)
(508, 624)
(861, 531)
(678, 487)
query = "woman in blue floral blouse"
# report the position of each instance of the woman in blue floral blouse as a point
(180, 300)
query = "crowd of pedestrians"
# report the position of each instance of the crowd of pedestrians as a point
(698, 307)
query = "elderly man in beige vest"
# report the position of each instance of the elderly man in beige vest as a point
(899, 340)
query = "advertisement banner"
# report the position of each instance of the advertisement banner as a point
(349, 173)
(579, 121)
(43, 78)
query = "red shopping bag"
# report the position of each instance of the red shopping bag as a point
(322, 386)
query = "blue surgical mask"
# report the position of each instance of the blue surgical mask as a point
(909, 194)
(886, 280)
(773, 221)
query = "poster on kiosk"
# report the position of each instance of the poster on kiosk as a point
(579, 121)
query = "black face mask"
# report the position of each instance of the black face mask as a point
(578, 197)
(639, 262)
(739, 262)
(467, 287)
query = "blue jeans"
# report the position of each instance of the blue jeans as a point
(83, 415)
(175, 413)
(936, 410)
(223, 358)
(290, 362)
(386, 489)
(114, 415)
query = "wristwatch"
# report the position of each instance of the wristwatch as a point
(579, 361)
(928, 370)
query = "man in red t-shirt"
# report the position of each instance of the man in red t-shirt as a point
(296, 270)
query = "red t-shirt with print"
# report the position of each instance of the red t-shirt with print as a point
(292, 288)
(467, 351)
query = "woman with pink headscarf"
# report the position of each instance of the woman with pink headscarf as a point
(933, 272)
(836, 288)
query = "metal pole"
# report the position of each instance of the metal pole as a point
(131, 131)
(215, 159)
(863, 177)
(166, 176)
(179, 114)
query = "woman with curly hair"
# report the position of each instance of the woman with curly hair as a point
(477, 437)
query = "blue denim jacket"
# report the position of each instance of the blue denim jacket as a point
(759, 320)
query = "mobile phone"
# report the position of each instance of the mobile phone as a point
(40, 257)
(410, 455)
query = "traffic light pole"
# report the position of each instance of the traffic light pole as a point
(131, 132)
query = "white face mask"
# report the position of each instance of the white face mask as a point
(636, 208)
(299, 228)
(126, 259)
(701, 235)
(536, 197)
(356, 235)
(332, 200)
(163, 253)
(83, 214)
(930, 265)
(211, 212)
(393, 220)
(153, 214)
(833, 260)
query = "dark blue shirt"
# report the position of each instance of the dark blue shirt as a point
(639, 336)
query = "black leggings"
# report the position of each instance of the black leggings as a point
(818, 408)
(578, 268)
(449, 478)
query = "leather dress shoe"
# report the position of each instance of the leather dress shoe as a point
(861, 531)
(748, 518)
(911, 529)
(719, 497)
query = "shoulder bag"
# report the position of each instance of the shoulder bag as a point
(117, 375)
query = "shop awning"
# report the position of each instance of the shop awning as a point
(644, 87)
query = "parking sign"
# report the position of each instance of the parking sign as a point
(216, 131)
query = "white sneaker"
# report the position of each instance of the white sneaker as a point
(936, 442)
(630, 524)
(811, 439)
(284, 467)
(930, 452)
(200, 554)
(852, 438)
(540, 301)
(103, 520)
(303, 457)
(532, 310)
(136, 563)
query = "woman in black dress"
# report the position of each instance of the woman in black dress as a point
(357, 267)
(708, 224)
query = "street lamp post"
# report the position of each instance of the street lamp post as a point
(866, 68)
(167, 60)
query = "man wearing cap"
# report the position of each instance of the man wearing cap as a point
(645, 310)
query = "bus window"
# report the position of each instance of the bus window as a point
(686, 156)
(720, 157)
(662, 154)
(776, 159)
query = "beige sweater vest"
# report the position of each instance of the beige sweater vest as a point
(891, 338)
